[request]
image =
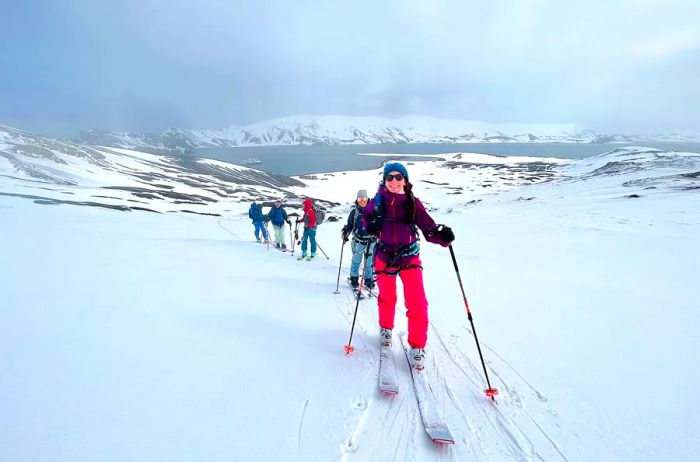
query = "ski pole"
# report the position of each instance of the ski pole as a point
(349, 348)
(267, 232)
(296, 235)
(324, 253)
(290, 234)
(490, 391)
(337, 284)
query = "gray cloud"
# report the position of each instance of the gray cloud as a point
(146, 65)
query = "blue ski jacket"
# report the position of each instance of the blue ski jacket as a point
(277, 216)
(255, 212)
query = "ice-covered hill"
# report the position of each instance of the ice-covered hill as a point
(145, 336)
(328, 130)
(56, 171)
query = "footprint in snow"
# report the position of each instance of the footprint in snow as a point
(360, 404)
(349, 445)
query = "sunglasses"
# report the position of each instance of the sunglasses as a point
(397, 177)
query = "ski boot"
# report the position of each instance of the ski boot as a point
(385, 337)
(417, 358)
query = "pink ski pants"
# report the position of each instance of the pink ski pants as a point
(414, 297)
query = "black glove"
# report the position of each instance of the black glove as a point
(344, 233)
(446, 234)
(374, 225)
(298, 220)
(288, 222)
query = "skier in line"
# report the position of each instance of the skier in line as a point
(255, 213)
(394, 216)
(278, 217)
(309, 219)
(360, 241)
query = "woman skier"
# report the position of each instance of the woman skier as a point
(394, 216)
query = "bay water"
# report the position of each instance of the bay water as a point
(300, 160)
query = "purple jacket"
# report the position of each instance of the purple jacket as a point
(396, 230)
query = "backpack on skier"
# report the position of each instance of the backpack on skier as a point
(320, 215)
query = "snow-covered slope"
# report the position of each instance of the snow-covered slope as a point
(307, 130)
(56, 171)
(147, 336)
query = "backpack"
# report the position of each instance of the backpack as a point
(320, 216)
(255, 213)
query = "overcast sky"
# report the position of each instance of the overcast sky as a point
(619, 65)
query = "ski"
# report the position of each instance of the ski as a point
(388, 380)
(356, 291)
(434, 424)
(370, 292)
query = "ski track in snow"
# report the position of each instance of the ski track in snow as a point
(513, 434)
(482, 429)
(226, 229)
(491, 426)
(538, 394)
(301, 422)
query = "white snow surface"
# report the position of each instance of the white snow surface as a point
(142, 336)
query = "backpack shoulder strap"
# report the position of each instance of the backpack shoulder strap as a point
(356, 217)
(379, 205)
(379, 212)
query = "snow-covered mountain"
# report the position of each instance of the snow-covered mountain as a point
(331, 130)
(55, 171)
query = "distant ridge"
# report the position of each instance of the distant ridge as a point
(334, 130)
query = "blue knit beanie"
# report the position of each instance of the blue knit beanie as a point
(395, 167)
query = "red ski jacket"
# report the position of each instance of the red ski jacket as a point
(309, 214)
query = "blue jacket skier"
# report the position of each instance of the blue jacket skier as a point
(278, 217)
(255, 213)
